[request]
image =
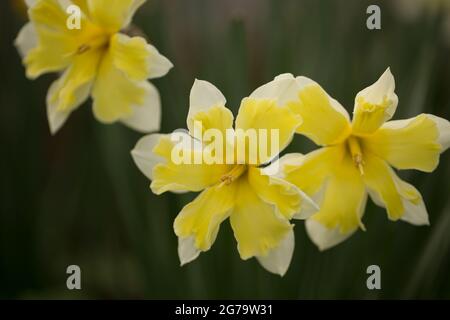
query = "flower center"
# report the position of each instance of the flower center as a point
(96, 42)
(355, 151)
(233, 174)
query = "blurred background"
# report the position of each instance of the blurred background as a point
(77, 198)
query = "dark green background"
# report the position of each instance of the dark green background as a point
(77, 197)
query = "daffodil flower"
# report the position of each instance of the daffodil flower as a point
(259, 205)
(357, 157)
(95, 60)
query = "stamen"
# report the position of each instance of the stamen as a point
(355, 150)
(232, 175)
(83, 48)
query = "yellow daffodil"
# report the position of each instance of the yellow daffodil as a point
(259, 205)
(95, 60)
(357, 157)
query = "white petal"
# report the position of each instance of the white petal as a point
(415, 214)
(443, 126)
(159, 64)
(323, 237)
(56, 119)
(26, 39)
(283, 89)
(279, 259)
(204, 95)
(30, 3)
(382, 89)
(187, 251)
(147, 117)
(143, 154)
(276, 168)
(284, 76)
(310, 205)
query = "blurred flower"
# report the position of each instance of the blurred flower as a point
(357, 156)
(410, 10)
(95, 60)
(259, 205)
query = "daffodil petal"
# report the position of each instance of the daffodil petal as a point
(55, 43)
(114, 94)
(72, 89)
(286, 197)
(325, 121)
(143, 154)
(26, 39)
(443, 126)
(174, 175)
(136, 58)
(344, 199)
(50, 14)
(256, 114)
(323, 237)
(387, 190)
(283, 89)
(407, 144)
(77, 81)
(257, 227)
(146, 117)
(309, 172)
(375, 105)
(113, 14)
(276, 171)
(56, 118)
(279, 258)
(82, 4)
(202, 217)
(207, 107)
(187, 252)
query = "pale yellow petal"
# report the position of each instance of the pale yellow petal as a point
(401, 199)
(174, 175)
(202, 217)
(274, 128)
(375, 105)
(114, 94)
(325, 121)
(82, 4)
(256, 225)
(310, 172)
(283, 195)
(136, 58)
(146, 117)
(113, 14)
(344, 198)
(407, 144)
(75, 84)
